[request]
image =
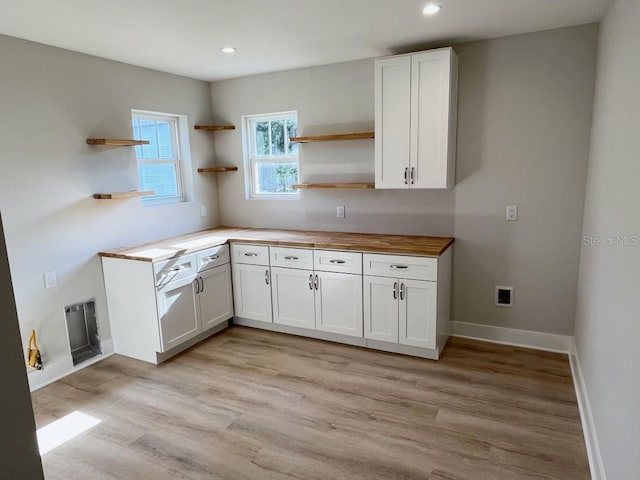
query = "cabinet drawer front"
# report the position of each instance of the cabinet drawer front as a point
(337, 261)
(174, 269)
(212, 257)
(291, 258)
(250, 254)
(401, 266)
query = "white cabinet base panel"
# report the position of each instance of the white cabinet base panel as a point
(161, 357)
(431, 354)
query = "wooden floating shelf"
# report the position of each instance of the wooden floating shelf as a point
(217, 169)
(214, 128)
(122, 195)
(334, 185)
(331, 138)
(116, 142)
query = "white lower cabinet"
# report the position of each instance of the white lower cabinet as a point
(400, 310)
(215, 297)
(178, 312)
(312, 298)
(417, 318)
(381, 308)
(155, 308)
(406, 300)
(252, 282)
(325, 301)
(293, 297)
(339, 303)
(188, 307)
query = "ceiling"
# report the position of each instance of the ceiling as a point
(185, 36)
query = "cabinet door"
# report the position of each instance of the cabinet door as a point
(178, 312)
(339, 303)
(418, 306)
(430, 101)
(215, 297)
(252, 292)
(392, 121)
(381, 308)
(293, 297)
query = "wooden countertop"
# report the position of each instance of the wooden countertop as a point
(361, 242)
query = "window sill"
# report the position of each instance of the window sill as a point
(154, 202)
(275, 197)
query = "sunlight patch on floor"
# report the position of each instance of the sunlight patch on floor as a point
(64, 429)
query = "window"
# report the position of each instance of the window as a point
(159, 163)
(271, 157)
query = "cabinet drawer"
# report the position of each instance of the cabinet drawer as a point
(174, 269)
(212, 257)
(250, 254)
(291, 258)
(337, 261)
(401, 266)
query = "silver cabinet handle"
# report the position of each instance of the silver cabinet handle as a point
(311, 282)
(406, 173)
(291, 257)
(201, 285)
(316, 282)
(250, 254)
(338, 262)
(212, 258)
(402, 291)
(167, 276)
(197, 280)
(413, 172)
(398, 266)
(266, 277)
(395, 290)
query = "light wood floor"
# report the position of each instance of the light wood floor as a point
(250, 404)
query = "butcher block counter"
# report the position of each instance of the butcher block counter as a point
(362, 242)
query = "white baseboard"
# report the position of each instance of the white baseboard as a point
(61, 368)
(588, 426)
(512, 336)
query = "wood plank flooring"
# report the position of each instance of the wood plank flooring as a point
(251, 404)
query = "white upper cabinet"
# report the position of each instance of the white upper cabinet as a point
(415, 115)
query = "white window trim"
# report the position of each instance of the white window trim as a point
(181, 147)
(251, 161)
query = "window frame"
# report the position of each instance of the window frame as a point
(253, 161)
(179, 156)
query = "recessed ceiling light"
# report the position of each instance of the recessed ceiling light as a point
(431, 9)
(228, 49)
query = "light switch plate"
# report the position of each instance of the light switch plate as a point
(50, 279)
(512, 213)
(340, 211)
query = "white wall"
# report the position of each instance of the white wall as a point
(19, 455)
(524, 119)
(607, 321)
(52, 100)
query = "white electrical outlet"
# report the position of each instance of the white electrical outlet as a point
(50, 280)
(340, 211)
(504, 297)
(512, 213)
(203, 210)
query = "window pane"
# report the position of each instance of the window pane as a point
(159, 134)
(148, 132)
(161, 178)
(276, 177)
(262, 139)
(292, 130)
(277, 137)
(165, 147)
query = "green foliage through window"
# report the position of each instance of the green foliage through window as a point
(272, 155)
